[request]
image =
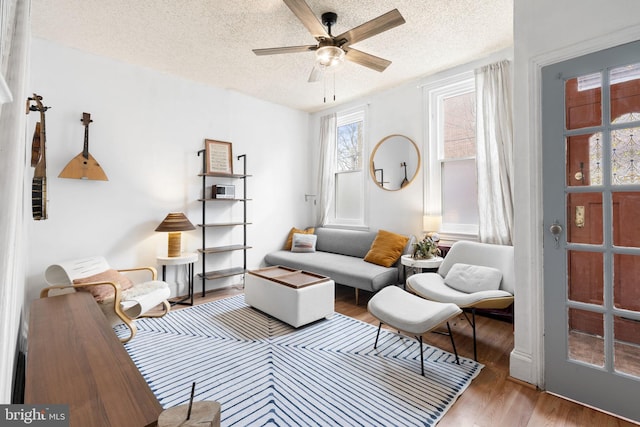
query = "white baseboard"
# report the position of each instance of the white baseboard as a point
(522, 367)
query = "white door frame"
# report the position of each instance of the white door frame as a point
(527, 357)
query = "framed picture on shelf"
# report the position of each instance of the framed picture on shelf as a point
(219, 157)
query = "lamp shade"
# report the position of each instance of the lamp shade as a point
(175, 221)
(431, 223)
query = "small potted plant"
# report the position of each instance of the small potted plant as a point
(427, 247)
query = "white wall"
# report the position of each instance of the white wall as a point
(147, 128)
(545, 32)
(396, 111)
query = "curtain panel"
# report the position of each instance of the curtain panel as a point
(495, 153)
(326, 167)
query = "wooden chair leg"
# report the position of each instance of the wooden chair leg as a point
(166, 307)
(132, 328)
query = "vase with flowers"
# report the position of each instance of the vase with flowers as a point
(427, 247)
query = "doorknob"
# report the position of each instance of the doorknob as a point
(556, 230)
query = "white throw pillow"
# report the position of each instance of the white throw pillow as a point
(303, 242)
(473, 278)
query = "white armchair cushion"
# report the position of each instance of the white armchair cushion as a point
(142, 297)
(432, 286)
(473, 278)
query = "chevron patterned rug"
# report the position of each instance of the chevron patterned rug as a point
(264, 372)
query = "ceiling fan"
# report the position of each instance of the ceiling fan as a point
(332, 50)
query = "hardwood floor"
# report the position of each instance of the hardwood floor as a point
(493, 399)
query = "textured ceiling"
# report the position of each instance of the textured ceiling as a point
(211, 41)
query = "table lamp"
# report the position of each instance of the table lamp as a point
(175, 223)
(431, 224)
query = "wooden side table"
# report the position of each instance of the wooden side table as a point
(188, 260)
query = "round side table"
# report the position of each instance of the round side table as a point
(430, 264)
(184, 259)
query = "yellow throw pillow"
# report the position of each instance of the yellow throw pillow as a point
(104, 292)
(293, 231)
(386, 248)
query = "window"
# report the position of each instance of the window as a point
(452, 190)
(348, 203)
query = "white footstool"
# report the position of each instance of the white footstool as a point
(410, 313)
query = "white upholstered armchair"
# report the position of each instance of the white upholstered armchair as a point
(472, 275)
(120, 298)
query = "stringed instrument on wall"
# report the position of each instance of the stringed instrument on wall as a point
(39, 158)
(405, 181)
(35, 146)
(84, 166)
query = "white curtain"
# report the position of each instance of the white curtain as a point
(495, 153)
(326, 167)
(15, 40)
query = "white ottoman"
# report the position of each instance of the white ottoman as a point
(410, 313)
(296, 297)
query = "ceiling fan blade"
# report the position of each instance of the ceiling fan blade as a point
(377, 25)
(289, 49)
(304, 13)
(366, 59)
(315, 75)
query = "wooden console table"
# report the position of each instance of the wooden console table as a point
(75, 358)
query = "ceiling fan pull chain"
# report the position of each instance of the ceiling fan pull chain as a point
(324, 87)
(334, 87)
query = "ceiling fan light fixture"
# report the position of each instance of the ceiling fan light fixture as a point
(329, 57)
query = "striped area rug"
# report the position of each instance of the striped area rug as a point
(264, 372)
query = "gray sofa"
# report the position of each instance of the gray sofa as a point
(339, 255)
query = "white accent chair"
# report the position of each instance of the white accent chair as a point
(473, 276)
(130, 297)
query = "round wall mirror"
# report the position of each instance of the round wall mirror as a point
(395, 162)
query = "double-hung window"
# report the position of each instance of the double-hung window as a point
(349, 201)
(452, 190)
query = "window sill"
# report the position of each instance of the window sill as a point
(348, 226)
(449, 238)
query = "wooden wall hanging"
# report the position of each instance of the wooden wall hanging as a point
(84, 166)
(38, 160)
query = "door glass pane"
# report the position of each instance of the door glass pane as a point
(626, 227)
(626, 292)
(627, 345)
(625, 90)
(583, 101)
(625, 154)
(585, 337)
(584, 217)
(584, 160)
(585, 281)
